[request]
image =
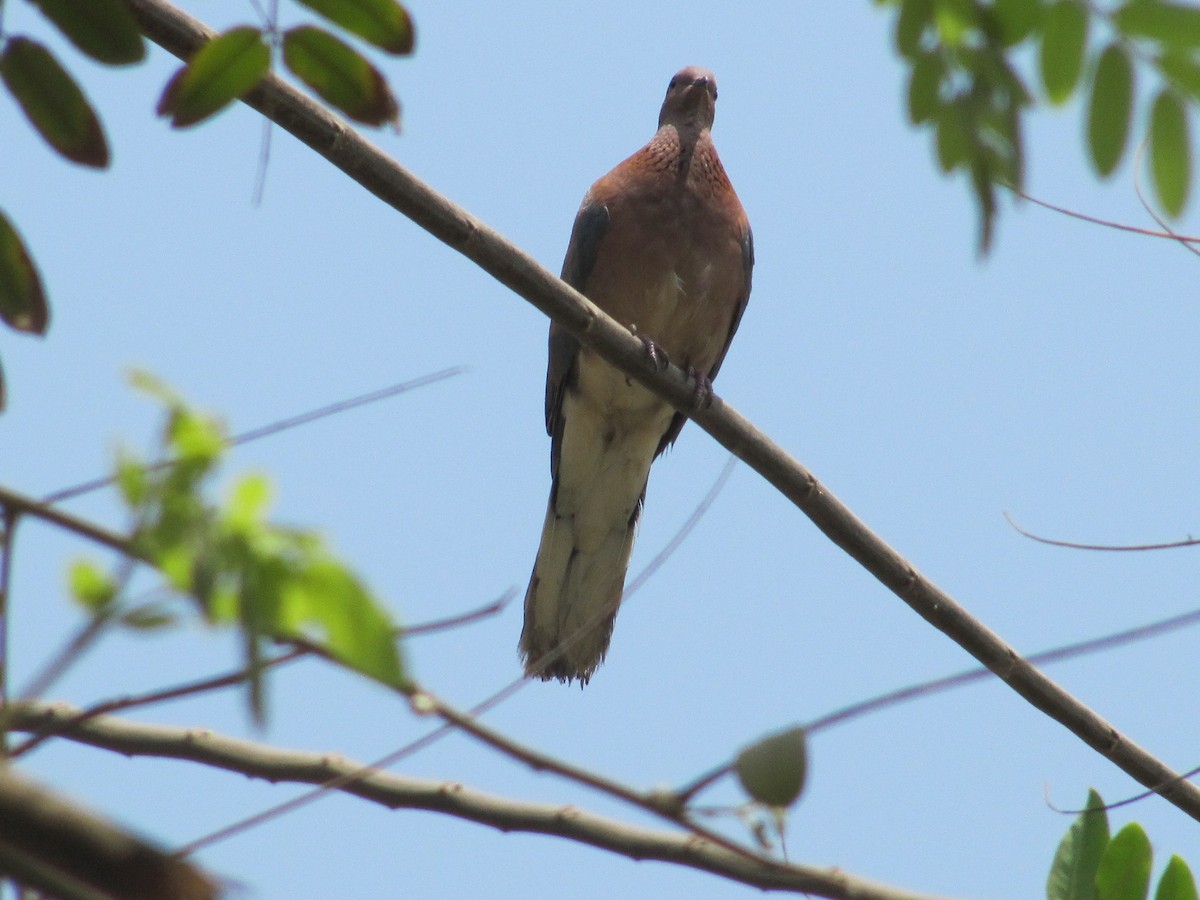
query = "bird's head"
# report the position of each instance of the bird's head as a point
(691, 100)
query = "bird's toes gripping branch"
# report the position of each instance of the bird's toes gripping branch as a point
(655, 355)
(702, 392)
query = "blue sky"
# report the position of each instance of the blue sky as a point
(927, 388)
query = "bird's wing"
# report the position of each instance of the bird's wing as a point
(590, 225)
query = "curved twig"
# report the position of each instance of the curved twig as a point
(1110, 548)
(1107, 223)
(1184, 242)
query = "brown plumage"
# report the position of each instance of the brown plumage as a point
(662, 244)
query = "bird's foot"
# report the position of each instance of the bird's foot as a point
(702, 392)
(655, 355)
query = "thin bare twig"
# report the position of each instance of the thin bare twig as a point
(273, 428)
(1128, 801)
(1044, 657)
(8, 524)
(1107, 223)
(86, 636)
(458, 621)
(685, 529)
(178, 692)
(59, 663)
(1108, 548)
(961, 679)
(1183, 242)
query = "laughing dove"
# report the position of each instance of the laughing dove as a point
(662, 244)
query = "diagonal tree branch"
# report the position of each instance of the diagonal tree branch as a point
(451, 798)
(58, 847)
(325, 133)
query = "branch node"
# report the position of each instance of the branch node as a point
(912, 582)
(1115, 738)
(422, 704)
(666, 801)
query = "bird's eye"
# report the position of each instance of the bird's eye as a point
(671, 86)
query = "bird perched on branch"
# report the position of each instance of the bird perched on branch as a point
(662, 244)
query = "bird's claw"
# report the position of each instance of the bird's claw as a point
(702, 392)
(655, 354)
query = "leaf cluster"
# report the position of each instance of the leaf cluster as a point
(233, 62)
(225, 69)
(57, 108)
(1092, 865)
(963, 84)
(272, 582)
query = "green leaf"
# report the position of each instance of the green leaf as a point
(924, 87)
(224, 69)
(255, 599)
(177, 562)
(221, 606)
(356, 629)
(193, 436)
(103, 29)
(1064, 37)
(955, 19)
(153, 387)
(1182, 71)
(150, 617)
(248, 503)
(953, 140)
(91, 586)
(1170, 152)
(983, 179)
(772, 770)
(1111, 109)
(1124, 872)
(1173, 24)
(132, 480)
(22, 301)
(1177, 882)
(1073, 872)
(384, 23)
(1006, 84)
(53, 102)
(1017, 19)
(340, 75)
(914, 18)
